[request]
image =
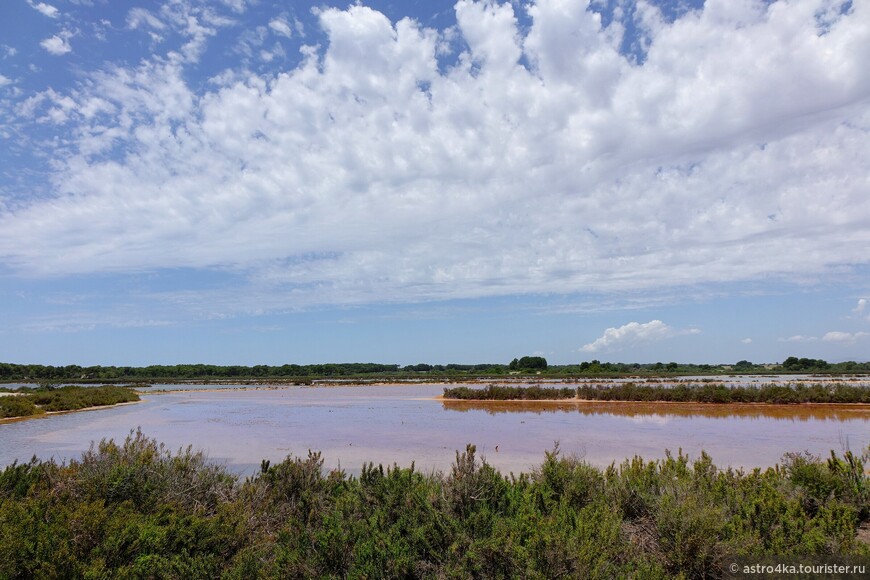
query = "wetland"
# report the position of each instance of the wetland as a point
(403, 423)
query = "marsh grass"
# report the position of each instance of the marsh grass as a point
(678, 393)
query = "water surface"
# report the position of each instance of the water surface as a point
(405, 423)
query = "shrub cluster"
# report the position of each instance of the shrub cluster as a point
(680, 393)
(70, 398)
(138, 510)
(17, 406)
(507, 393)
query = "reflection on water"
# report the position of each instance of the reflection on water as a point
(639, 409)
(401, 424)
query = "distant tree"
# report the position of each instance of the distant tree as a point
(793, 363)
(529, 363)
(591, 367)
(743, 365)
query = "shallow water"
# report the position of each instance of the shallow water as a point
(405, 423)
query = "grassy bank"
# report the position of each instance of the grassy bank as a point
(136, 509)
(27, 402)
(705, 393)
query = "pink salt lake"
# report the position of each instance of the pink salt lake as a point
(404, 423)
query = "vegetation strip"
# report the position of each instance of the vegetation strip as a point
(293, 373)
(706, 393)
(27, 402)
(136, 509)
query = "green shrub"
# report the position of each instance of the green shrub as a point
(136, 509)
(17, 406)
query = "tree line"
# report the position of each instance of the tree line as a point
(524, 365)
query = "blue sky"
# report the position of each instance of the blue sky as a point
(247, 182)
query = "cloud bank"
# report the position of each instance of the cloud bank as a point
(839, 336)
(538, 159)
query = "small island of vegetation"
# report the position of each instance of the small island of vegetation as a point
(26, 402)
(840, 393)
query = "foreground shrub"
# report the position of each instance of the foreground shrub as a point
(137, 509)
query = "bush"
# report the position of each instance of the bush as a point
(18, 406)
(136, 509)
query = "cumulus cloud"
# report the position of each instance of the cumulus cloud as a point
(838, 336)
(45, 9)
(372, 171)
(57, 44)
(859, 308)
(280, 26)
(746, 341)
(634, 333)
(4, 80)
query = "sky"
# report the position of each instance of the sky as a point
(259, 182)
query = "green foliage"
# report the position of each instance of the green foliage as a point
(528, 364)
(506, 393)
(70, 398)
(795, 364)
(136, 509)
(706, 393)
(303, 374)
(18, 406)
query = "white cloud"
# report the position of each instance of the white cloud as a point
(799, 338)
(746, 341)
(45, 9)
(58, 44)
(193, 22)
(8, 51)
(371, 173)
(837, 336)
(236, 5)
(859, 308)
(634, 333)
(280, 26)
(4, 80)
(140, 17)
(82, 321)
